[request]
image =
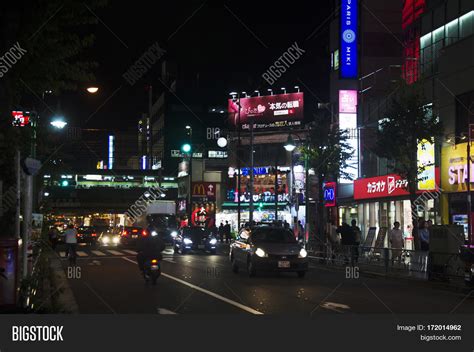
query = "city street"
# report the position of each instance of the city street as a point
(203, 284)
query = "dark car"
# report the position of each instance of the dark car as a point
(268, 249)
(195, 238)
(87, 234)
(129, 235)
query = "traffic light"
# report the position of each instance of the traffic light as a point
(65, 183)
(186, 148)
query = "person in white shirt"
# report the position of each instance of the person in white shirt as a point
(395, 236)
(70, 237)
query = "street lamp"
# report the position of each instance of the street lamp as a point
(290, 146)
(58, 123)
(187, 148)
(92, 89)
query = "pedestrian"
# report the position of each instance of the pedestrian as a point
(227, 231)
(334, 239)
(286, 225)
(424, 234)
(70, 238)
(300, 231)
(53, 237)
(357, 237)
(347, 240)
(395, 237)
(221, 231)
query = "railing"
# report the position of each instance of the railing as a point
(422, 265)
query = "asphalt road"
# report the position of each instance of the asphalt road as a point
(110, 282)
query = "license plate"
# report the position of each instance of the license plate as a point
(283, 264)
(134, 236)
(467, 276)
(200, 246)
(154, 267)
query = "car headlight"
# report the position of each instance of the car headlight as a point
(213, 241)
(115, 240)
(154, 233)
(174, 234)
(187, 241)
(303, 253)
(105, 239)
(261, 253)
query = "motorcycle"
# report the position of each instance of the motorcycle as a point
(151, 270)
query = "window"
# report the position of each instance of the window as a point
(466, 24)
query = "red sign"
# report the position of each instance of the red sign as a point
(204, 190)
(20, 118)
(381, 186)
(270, 111)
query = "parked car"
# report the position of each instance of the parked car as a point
(193, 238)
(87, 234)
(268, 249)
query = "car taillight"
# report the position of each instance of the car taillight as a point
(154, 261)
(94, 235)
(124, 233)
(145, 233)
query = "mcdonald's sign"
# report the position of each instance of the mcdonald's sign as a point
(204, 190)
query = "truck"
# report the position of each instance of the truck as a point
(160, 216)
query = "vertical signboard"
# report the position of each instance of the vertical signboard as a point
(426, 165)
(348, 122)
(348, 39)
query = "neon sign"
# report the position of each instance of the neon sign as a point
(348, 39)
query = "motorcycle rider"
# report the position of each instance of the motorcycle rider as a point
(149, 247)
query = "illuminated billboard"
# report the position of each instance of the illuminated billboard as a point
(20, 118)
(348, 122)
(426, 160)
(271, 111)
(348, 39)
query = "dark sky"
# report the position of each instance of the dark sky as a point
(230, 44)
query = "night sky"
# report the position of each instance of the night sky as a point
(229, 44)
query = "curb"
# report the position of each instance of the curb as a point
(66, 298)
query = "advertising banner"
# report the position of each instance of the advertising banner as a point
(348, 39)
(454, 168)
(270, 111)
(204, 190)
(426, 159)
(379, 187)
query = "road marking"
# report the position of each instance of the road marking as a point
(82, 254)
(169, 260)
(111, 251)
(129, 251)
(164, 311)
(210, 293)
(99, 253)
(336, 307)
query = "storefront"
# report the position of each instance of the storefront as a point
(454, 179)
(380, 201)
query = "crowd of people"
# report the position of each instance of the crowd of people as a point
(347, 238)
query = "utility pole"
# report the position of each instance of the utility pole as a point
(17, 194)
(251, 207)
(150, 127)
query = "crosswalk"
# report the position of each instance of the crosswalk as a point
(101, 253)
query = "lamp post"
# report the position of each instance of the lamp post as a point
(236, 99)
(290, 146)
(188, 149)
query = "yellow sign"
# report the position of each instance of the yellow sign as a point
(426, 159)
(454, 168)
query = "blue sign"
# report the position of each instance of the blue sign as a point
(348, 35)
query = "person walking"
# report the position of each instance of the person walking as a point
(395, 238)
(53, 237)
(334, 240)
(300, 231)
(70, 238)
(347, 240)
(221, 232)
(227, 232)
(424, 234)
(357, 238)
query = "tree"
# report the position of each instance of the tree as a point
(52, 35)
(408, 121)
(328, 152)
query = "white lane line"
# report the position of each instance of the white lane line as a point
(129, 251)
(169, 260)
(164, 311)
(82, 254)
(98, 253)
(210, 293)
(111, 251)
